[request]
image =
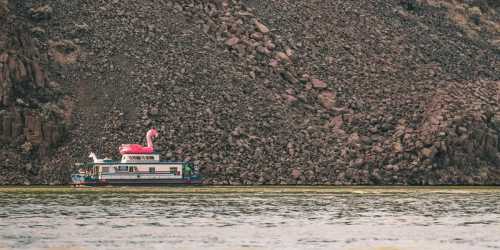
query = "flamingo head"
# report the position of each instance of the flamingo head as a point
(153, 133)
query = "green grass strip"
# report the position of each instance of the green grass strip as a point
(254, 189)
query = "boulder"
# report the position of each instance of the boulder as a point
(495, 120)
(337, 122)
(263, 50)
(64, 52)
(40, 12)
(257, 36)
(261, 27)
(327, 99)
(397, 147)
(282, 57)
(232, 41)
(4, 8)
(428, 152)
(318, 84)
(290, 98)
(289, 77)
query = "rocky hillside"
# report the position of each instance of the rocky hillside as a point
(253, 91)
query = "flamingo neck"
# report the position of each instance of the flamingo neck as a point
(149, 140)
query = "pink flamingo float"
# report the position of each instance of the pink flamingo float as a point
(138, 149)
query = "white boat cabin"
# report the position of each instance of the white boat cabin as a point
(139, 166)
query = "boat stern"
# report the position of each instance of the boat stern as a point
(80, 180)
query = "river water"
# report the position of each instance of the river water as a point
(350, 220)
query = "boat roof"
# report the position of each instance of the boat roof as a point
(154, 153)
(90, 164)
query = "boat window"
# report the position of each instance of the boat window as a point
(173, 170)
(122, 168)
(105, 169)
(152, 170)
(131, 169)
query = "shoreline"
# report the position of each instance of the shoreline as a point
(252, 189)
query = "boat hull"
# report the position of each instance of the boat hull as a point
(141, 182)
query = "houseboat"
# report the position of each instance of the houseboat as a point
(138, 166)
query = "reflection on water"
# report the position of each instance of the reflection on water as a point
(250, 221)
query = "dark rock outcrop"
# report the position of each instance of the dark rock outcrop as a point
(31, 112)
